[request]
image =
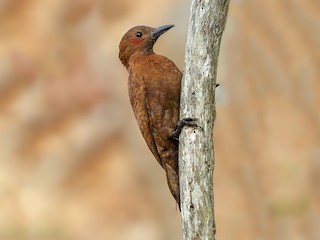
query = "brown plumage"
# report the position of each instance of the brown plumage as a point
(154, 90)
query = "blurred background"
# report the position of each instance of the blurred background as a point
(73, 164)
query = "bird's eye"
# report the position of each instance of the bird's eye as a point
(139, 34)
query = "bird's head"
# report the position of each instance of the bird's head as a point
(139, 39)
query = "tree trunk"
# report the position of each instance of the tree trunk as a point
(196, 156)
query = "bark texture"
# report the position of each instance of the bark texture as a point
(196, 155)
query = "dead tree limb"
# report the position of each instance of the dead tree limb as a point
(196, 155)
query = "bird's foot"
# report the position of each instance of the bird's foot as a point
(191, 122)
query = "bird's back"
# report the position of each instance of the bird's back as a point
(154, 89)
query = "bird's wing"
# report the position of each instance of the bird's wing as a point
(163, 101)
(140, 105)
(154, 89)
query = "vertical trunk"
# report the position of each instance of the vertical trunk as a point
(196, 156)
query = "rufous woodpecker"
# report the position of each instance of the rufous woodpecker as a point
(154, 89)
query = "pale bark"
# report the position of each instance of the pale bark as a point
(196, 156)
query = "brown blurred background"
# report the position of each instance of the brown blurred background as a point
(73, 165)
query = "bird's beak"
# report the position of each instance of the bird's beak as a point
(160, 30)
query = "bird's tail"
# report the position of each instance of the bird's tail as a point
(173, 183)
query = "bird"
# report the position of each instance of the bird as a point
(154, 86)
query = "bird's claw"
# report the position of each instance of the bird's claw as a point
(191, 122)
